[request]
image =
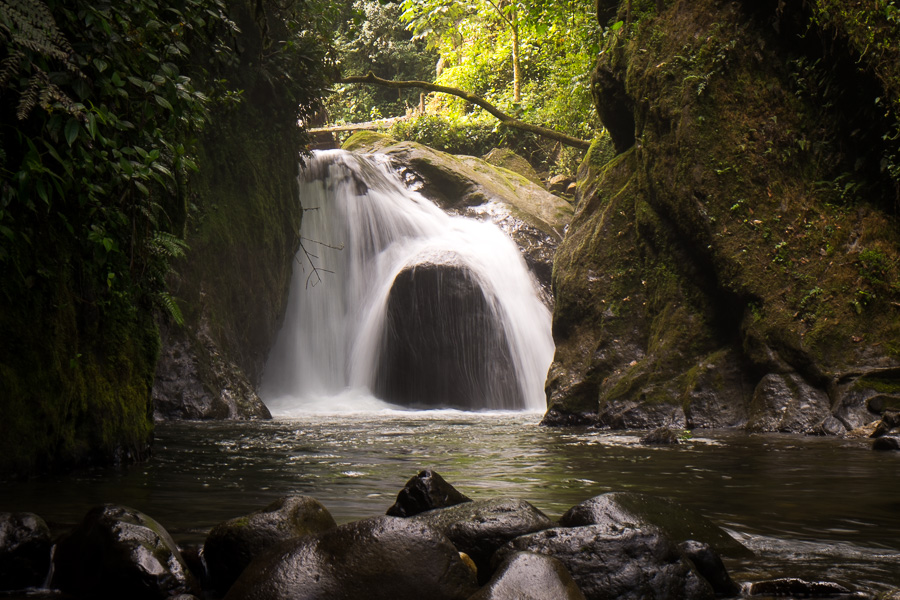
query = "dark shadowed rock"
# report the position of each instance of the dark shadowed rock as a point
(662, 436)
(887, 442)
(425, 491)
(889, 420)
(231, 545)
(383, 558)
(709, 564)
(527, 576)
(443, 346)
(830, 426)
(881, 403)
(118, 552)
(629, 509)
(194, 380)
(479, 528)
(24, 551)
(617, 563)
(793, 587)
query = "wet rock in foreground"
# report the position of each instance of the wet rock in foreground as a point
(426, 491)
(613, 563)
(118, 552)
(231, 545)
(479, 528)
(24, 551)
(383, 558)
(709, 565)
(630, 509)
(528, 576)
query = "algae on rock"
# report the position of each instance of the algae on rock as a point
(741, 243)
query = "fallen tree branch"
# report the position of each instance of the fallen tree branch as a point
(504, 118)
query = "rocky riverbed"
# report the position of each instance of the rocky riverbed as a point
(434, 542)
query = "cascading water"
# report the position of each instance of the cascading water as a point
(405, 305)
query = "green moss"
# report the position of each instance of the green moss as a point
(884, 385)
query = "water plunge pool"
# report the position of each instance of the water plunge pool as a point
(817, 508)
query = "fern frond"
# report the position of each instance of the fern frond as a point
(167, 303)
(167, 245)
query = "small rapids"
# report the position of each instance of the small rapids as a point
(395, 304)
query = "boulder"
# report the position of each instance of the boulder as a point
(479, 528)
(709, 565)
(527, 576)
(881, 403)
(195, 381)
(662, 436)
(506, 158)
(887, 442)
(426, 491)
(559, 184)
(24, 551)
(630, 509)
(830, 426)
(609, 562)
(231, 545)
(383, 558)
(790, 586)
(889, 421)
(118, 552)
(786, 403)
(443, 346)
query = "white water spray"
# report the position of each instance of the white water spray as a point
(365, 228)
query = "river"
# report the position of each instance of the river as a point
(817, 508)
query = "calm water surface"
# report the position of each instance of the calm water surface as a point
(819, 508)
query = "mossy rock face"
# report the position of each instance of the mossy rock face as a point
(509, 160)
(715, 249)
(234, 282)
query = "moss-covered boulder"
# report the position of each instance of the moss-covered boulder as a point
(533, 217)
(739, 254)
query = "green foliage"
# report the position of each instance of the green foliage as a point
(374, 39)
(872, 30)
(530, 59)
(103, 108)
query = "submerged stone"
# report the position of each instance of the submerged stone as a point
(662, 436)
(630, 509)
(426, 491)
(710, 566)
(790, 586)
(231, 545)
(443, 344)
(384, 558)
(118, 552)
(529, 576)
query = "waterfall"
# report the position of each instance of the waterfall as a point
(394, 303)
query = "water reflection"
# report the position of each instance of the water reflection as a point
(809, 507)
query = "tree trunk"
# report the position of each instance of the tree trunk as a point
(517, 73)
